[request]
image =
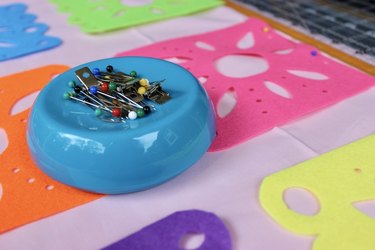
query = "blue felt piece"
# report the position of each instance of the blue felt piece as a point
(20, 35)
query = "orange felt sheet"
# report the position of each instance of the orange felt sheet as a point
(27, 193)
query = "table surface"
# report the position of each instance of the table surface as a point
(225, 183)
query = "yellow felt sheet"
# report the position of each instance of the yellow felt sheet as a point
(337, 179)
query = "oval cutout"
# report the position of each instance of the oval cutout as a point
(205, 46)
(308, 75)
(246, 65)
(31, 29)
(6, 45)
(3, 140)
(366, 207)
(301, 201)
(191, 241)
(246, 42)
(178, 59)
(227, 103)
(136, 2)
(277, 89)
(24, 103)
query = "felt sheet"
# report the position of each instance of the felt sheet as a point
(27, 193)
(338, 180)
(167, 233)
(101, 16)
(225, 183)
(265, 79)
(20, 34)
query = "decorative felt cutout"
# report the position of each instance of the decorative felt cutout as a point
(20, 35)
(227, 103)
(27, 193)
(24, 103)
(301, 201)
(366, 207)
(167, 233)
(246, 42)
(338, 180)
(305, 83)
(101, 16)
(191, 241)
(277, 89)
(3, 140)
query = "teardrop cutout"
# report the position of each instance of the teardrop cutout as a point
(283, 51)
(246, 41)
(191, 241)
(24, 103)
(227, 103)
(3, 140)
(277, 89)
(366, 207)
(308, 74)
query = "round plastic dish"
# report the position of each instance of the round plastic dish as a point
(70, 144)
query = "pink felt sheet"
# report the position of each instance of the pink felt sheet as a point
(292, 79)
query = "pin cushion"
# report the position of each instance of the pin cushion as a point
(98, 137)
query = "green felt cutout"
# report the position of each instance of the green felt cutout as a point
(95, 16)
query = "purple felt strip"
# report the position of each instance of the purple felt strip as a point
(166, 233)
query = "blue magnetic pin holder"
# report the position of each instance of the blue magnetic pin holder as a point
(70, 144)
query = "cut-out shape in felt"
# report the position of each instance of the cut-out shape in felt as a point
(338, 179)
(166, 233)
(271, 90)
(20, 35)
(27, 193)
(101, 16)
